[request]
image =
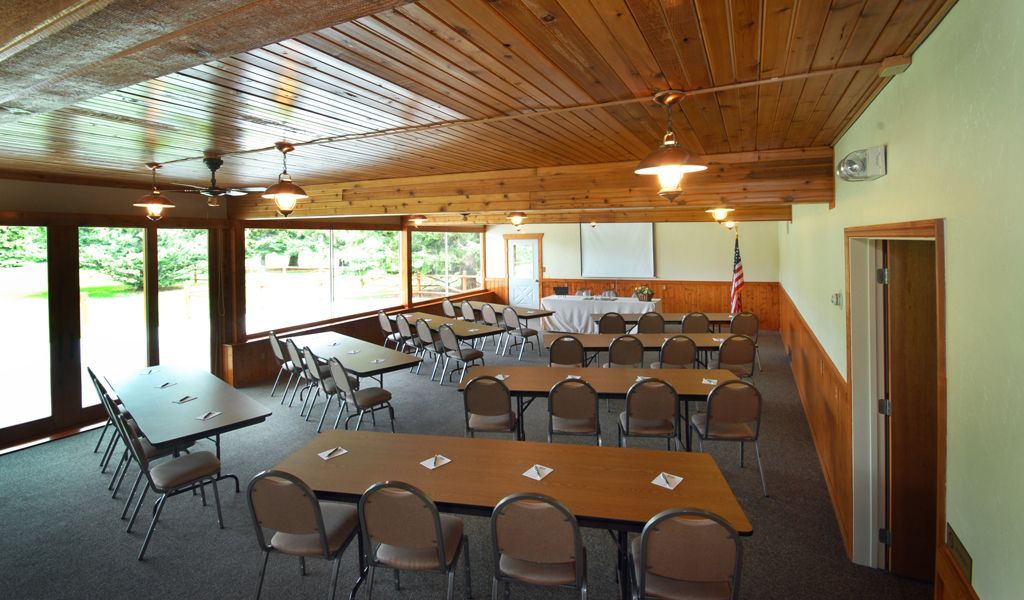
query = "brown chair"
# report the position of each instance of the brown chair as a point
(449, 309)
(519, 334)
(747, 323)
(625, 351)
(737, 354)
(488, 407)
(429, 344)
(468, 313)
(402, 529)
(696, 322)
(651, 322)
(302, 375)
(572, 410)
(286, 366)
(405, 334)
(611, 323)
(566, 351)
(677, 352)
(453, 350)
(302, 525)
(686, 553)
(536, 540)
(652, 410)
(490, 317)
(388, 329)
(733, 415)
(368, 400)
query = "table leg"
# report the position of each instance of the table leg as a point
(362, 568)
(624, 591)
(520, 410)
(686, 424)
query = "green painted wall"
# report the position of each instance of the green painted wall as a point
(954, 127)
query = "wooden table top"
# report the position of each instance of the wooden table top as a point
(463, 329)
(672, 318)
(522, 311)
(604, 487)
(609, 383)
(359, 357)
(651, 341)
(163, 421)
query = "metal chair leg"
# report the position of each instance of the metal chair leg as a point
(216, 500)
(276, 380)
(128, 502)
(138, 505)
(757, 453)
(451, 585)
(334, 577)
(287, 384)
(741, 455)
(120, 479)
(263, 572)
(152, 525)
(103, 432)
(469, 575)
(369, 584)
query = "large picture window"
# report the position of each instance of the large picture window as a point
(445, 263)
(295, 276)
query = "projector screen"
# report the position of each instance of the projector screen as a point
(617, 250)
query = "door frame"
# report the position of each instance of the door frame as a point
(932, 229)
(540, 261)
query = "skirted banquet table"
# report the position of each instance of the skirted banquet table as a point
(575, 313)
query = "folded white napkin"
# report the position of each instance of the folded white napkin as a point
(207, 416)
(707, 381)
(501, 377)
(377, 360)
(435, 461)
(332, 453)
(574, 377)
(165, 385)
(538, 472)
(719, 340)
(184, 399)
(640, 378)
(352, 352)
(667, 480)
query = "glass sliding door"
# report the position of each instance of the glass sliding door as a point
(184, 297)
(24, 298)
(111, 302)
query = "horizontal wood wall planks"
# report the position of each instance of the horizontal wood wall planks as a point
(395, 89)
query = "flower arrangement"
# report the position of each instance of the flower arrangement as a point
(643, 292)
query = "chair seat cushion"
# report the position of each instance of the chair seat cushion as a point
(469, 354)
(574, 425)
(422, 559)
(394, 337)
(183, 470)
(538, 573)
(678, 589)
(340, 520)
(646, 426)
(609, 365)
(725, 431)
(661, 365)
(492, 422)
(524, 332)
(742, 371)
(371, 397)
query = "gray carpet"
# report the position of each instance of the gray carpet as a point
(63, 538)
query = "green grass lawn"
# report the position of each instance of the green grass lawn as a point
(99, 291)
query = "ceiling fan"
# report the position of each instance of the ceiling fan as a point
(213, 192)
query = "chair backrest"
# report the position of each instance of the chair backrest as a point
(737, 351)
(690, 545)
(398, 514)
(403, 326)
(282, 502)
(486, 396)
(449, 340)
(385, 323)
(511, 318)
(561, 290)
(678, 351)
(424, 333)
(735, 402)
(489, 315)
(340, 377)
(294, 355)
(538, 529)
(467, 311)
(745, 323)
(566, 351)
(573, 399)
(583, 292)
(275, 347)
(653, 399)
(611, 323)
(448, 309)
(626, 351)
(312, 363)
(651, 322)
(105, 400)
(610, 293)
(696, 322)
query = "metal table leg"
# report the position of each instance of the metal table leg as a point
(624, 590)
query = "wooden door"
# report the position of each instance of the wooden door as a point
(524, 272)
(912, 432)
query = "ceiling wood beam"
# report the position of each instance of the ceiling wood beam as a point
(96, 47)
(670, 215)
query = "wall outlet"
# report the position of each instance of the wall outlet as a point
(837, 299)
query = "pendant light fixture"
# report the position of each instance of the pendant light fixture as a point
(418, 220)
(669, 161)
(154, 202)
(285, 193)
(719, 214)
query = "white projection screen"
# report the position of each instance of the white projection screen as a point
(617, 250)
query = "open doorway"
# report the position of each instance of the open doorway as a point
(896, 373)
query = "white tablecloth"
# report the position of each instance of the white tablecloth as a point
(575, 313)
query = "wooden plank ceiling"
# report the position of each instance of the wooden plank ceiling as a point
(457, 86)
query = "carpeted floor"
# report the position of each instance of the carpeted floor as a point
(63, 538)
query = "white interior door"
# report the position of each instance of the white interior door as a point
(523, 272)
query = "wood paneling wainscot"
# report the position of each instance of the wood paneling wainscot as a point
(826, 401)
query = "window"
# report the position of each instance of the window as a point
(184, 297)
(445, 263)
(295, 276)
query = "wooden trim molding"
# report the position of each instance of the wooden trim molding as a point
(950, 581)
(924, 229)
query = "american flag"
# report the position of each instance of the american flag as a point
(737, 279)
